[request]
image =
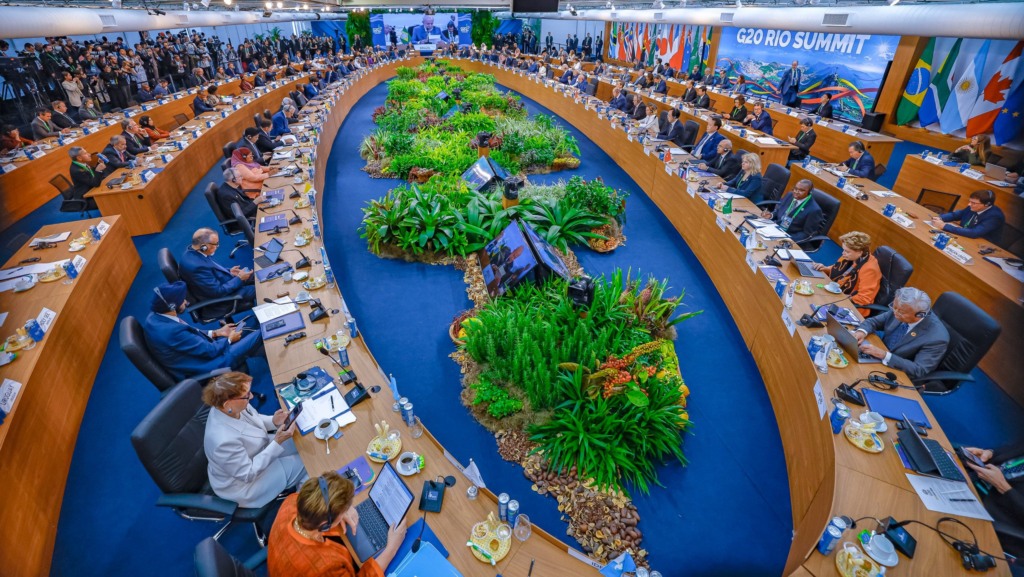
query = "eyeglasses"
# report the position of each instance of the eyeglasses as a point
(245, 397)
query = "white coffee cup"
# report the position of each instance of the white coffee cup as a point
(872, 418)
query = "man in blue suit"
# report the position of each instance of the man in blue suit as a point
(199, 104)
(916, 339)
(981, 219)
(566, 78)
(581, 83)
(706, 148)
(187, 351)
(279, 122)
(618, 101)
(797, 213)
(421, 34)
(674, 131)
(207, 279)
(310, 91)
(533, 67)
(760, 119)
(661, 88)
(789, 86)
(860, 163)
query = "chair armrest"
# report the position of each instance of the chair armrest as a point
(876, 308)
(767, 203)
(258, 559)
(810, 239)
(210, 503)
(945, 376)
(204, 304)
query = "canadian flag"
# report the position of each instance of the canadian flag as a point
(986, 109)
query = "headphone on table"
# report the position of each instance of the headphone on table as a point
(326, 525)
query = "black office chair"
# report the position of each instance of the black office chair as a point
(228, 224)
(972, 332)
(213, 560)
(256, 120)
(879, 171)
(69, 203)
(267, 114)
(243, 223)
(773, 183)
(592, 87)
(133, 344)
(228, 149)
(690, 130)
(202, 312)
(169, 443)
(896, 271)
(181, 118)
(1010, 237)
(937, 201)
(663, 121)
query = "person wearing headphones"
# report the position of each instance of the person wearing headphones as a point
(186, 351)
(981, 219)
(860, 163)
(916, 339)
(305, 540)
(856, 272)
(251, 457)
(207, 279)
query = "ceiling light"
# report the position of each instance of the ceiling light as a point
(227, 2)
(269, 5)
(115, 3)
(280, 4)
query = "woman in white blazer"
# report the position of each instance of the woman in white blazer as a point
(250, 463)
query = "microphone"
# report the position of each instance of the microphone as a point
(743, 222)
(770, 260)
(811, 322)
(327, 353)
(419, 538)
(303, 262)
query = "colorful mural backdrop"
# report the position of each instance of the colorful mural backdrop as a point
(966, 87)
(681, 47)
(850, 67)
(446, 27)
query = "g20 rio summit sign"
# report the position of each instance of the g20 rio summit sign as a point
(815, 41)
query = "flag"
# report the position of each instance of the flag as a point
(685, 63)
(695, 52)
(965, 93)
(983, 115)
(624, 563)
(938, 91)
(1009, 121)
(917, 86)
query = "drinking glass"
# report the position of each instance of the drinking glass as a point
(522, 528)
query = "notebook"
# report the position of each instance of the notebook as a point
(405, 549)
(427, 562)
(272, 221)
(893, 407)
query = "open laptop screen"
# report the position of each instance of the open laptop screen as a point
(390, 495)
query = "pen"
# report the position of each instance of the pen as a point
(961, 500)
(530, 571)
(332, 402)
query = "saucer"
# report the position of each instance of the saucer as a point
(76, 247)
(889, 560)
(834, 289)
(326, 428)
(408, 469)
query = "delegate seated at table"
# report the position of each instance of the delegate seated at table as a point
(981, 219)
(803, 140)
(11, 139)
(61, 117)
(649, 123)
(639, 109)
(706, 148)
(250, 174)
(976, 152)
(856, 272)
(747, 182)
(117, 153)
(230, 192)
(618, 101)
(739, 111)
(207, 279)
(186, 351)
(674, 131)
(135, 137)
(726, 164)
(83, 176)
(703, 100)
(916, 338)
(281, 119)
(151, 130)
(43, 126)
(860, 163)
(249, 140)
(797, 213)
(824, 108)
(759, 119)
(305, 538)
(251, 457)
(1004, 499)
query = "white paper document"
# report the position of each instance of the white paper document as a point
(765, 140)
(772, 232)
(268, 312)
(950, 497)
(60, 237)
(35, 268)
(883, 193)
(326, 404)
(1010, 270)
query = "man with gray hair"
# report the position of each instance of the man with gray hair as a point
(117, 153)
(916, 339)
(207, 279)
(84, 176)
(231, 193)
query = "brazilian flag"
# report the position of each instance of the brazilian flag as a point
(917, 86)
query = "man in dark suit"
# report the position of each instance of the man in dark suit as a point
(797, 213)
(789, 86)
(207, 279)
(639, 110)
(230, 192)
(709, 78)
(759, 119)
(43, 126)
(618, 101)
(706, 148)
(281, 119)
(674, 131)
(981, 219)
(703, 100)
(1005, 498)
(824, 109)
(860, 163)
(83, 176)
(549, 42)
(264, 141)
(186, 351)
(662, 87)
(250, 139)
(916, 339)
(117, 153)
(566, 78)
(60, 115)
(691, 93)
(581, 83)
(803, 140)
(199, 104)
(310, 91)
(135, 138)
(726, 164)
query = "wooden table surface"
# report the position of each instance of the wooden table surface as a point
(38, 437)
(986, 285)
(917, 174)
(827, 476)
(147, 206)
(460, 513)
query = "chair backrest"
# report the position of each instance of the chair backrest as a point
(1010, 236)
(228, 149)
(63, 186)
(243, 223)
(592, 87)
(971, 332)
(181, 118)
(267, 114)
(896, 271)
(829, 210)
(168, 265)
(256, 120)
(774, 181)
(301, 99)
(879, 171)
(211, 198)
(690, 129)
(169, 440)
(937, 201)
(134, 346)
(663, 120)
(213, 560)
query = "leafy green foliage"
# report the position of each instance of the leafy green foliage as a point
(562, 224)
(595, 196)
(500, 403)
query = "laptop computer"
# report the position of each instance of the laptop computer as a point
(847, 341)
(806, 269)
(271, 253)
(388, 502)
(926, 456)
(994, 171)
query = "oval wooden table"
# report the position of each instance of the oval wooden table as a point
(827, 475)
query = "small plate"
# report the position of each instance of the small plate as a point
(13, 344)
(412, 468)
(326, 428)
(867, 441)
(834, 289)
(301, 241)
(51, 276)
(314, 283)
(806, 293)
(838, 361)
(76, 247)
(300, 276)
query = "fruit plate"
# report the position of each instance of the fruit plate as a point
(837, 360)
(14, 344)
(54, 274)
(864, 440)
(805, 292)
(485, 535)
(850, 562)
(314, 283)
(383, 446)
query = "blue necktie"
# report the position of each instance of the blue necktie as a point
(896, 336)
(700, 146)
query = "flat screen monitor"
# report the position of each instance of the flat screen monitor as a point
(485, 174)
(546, 253)
(507, 260)
(535, 5)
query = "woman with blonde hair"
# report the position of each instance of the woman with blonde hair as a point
(856, 271)
(976, 151)
(747, 181)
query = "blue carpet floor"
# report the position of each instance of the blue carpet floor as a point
(736, 479)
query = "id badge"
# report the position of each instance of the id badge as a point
(786, 221)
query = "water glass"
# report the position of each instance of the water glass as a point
(522, 528)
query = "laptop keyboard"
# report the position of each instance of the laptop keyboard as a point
(263, 261)
(371, 521)
(947, 468)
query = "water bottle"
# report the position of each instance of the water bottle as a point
(95, 232)
(316, 225)
(34, 330)
(328, 273)
(789, 295)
